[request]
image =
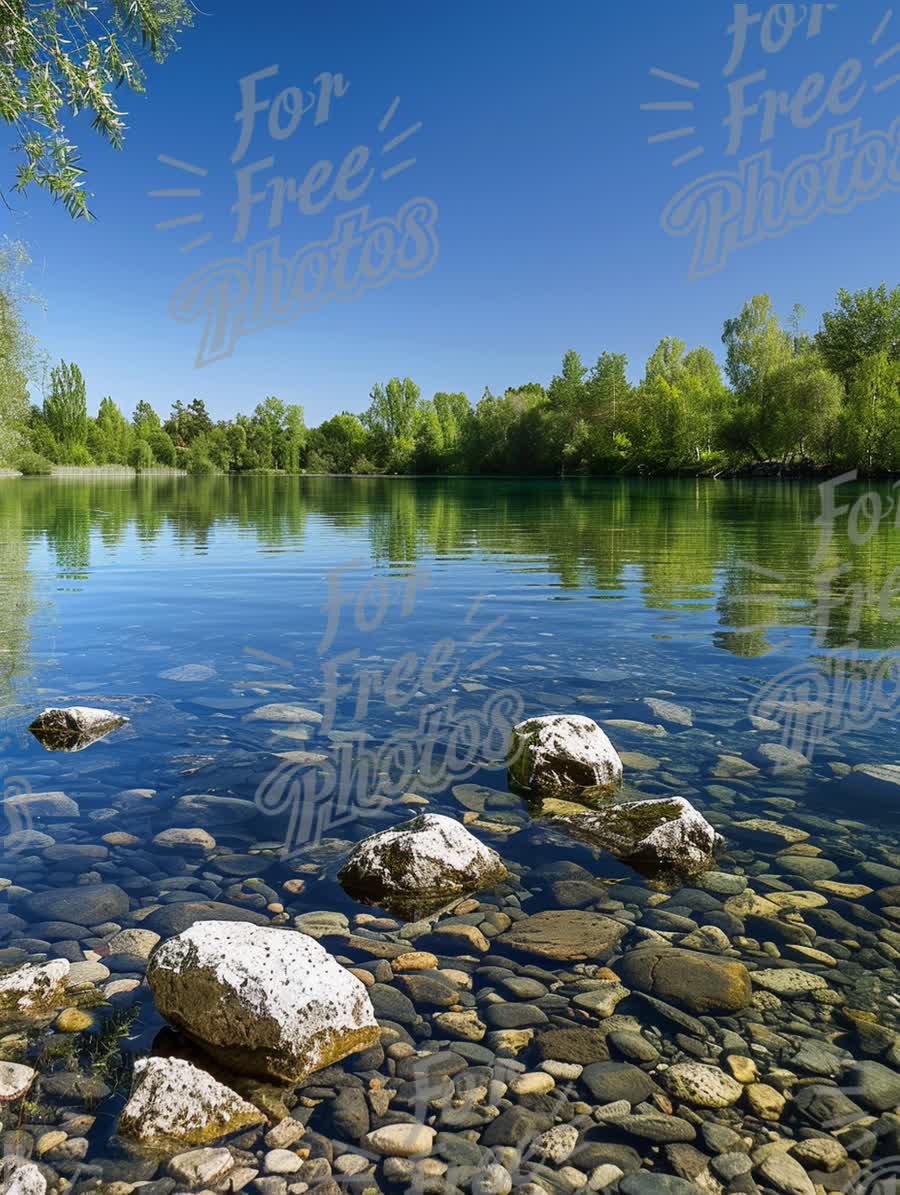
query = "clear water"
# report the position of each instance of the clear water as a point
(420, 617)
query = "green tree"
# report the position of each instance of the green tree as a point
(186, 423)
(391, 419)
(863, 325)
(65, 412)
(145, 420)
(868, 436)
(667, 360)
(16, 350)
(337, 444)
(756, 347)
(140, 455)
(59, 58)
(804, 413)
(109, 435)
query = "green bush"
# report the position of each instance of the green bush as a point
(197, 460)
(141, 456)
(32, 464)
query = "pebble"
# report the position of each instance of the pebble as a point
(194, 838)
(400, 1140)
(764, 1101)
(702, 1085)
(415, 960)
(73, 1020)
(604, 1176)
(787, 981)
(532, 1083)
(785, 1174)
(743, 1069)
(201, 1167)
(282, 1161)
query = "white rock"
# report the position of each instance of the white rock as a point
(661, 834)
(602, 1000)
(34, 988)
(282, 1161)
(89, 971)
(562, 753)
(15, 1081)
(400, 1140)
(556, 1144)
(350, 1164)
(562, 1070)
(783, 759)
(702, 1085)
(420, 863)
(788, 981)
(493, 1179)
(189, 673)
(21, 1178)
(532, 1083)
(263, 1001)
(201, 1167)
(174, 1101)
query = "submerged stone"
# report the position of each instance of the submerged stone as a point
(84, 904)
(565, 934)
(74, 728)
(703, 983)
(667, 835)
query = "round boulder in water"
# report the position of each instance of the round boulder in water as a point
(665, 835)
(562, 754)
(266, 1002)
(420, 865)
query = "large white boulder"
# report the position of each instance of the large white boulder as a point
(562, 754)
(73, 727)
(420, 865)
(660, 835)
(265, 1002)
(174, 1103)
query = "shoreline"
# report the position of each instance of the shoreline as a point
(754, 473)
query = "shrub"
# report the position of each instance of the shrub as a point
(141, 456)
(32, 464)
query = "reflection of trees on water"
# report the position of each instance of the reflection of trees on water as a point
(742, 553)
(16, 601)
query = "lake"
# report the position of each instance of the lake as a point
(714, 629)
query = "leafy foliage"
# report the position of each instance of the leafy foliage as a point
(59, 58)
(787, 400)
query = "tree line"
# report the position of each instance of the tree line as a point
(786, 400)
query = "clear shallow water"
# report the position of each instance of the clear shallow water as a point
(420, 618)
(705, 589)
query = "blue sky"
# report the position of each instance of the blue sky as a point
(533, 147)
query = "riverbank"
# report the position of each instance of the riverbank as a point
(764, 471)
